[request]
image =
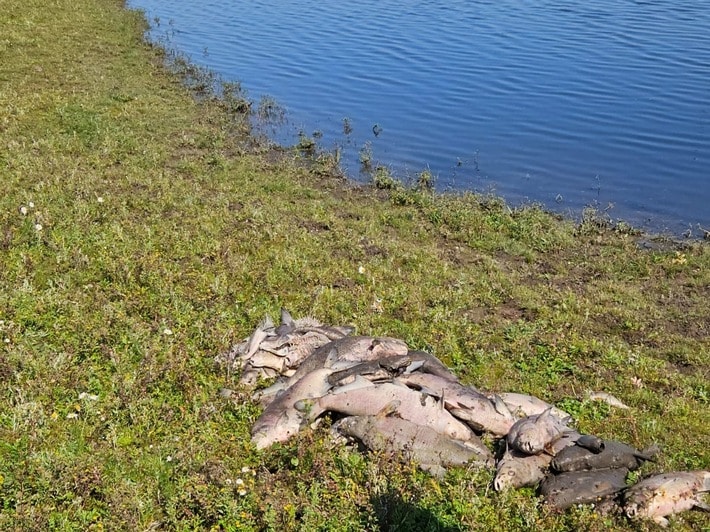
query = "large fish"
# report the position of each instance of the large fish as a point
(368, 401)
(518, 470)
(613, 454)
(533, 434)
(582, 487)
(280, 420)
(465, 403)
(433, 451)
(668, 493)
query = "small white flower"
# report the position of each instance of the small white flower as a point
(31, 204)
(361, 270)
(167, 332)
(245, 469)
(242, 493)
(100, 199)
(239, 482)
(38, 227)
(23, 210)
(72, 415)
(7, 340)
(89, 396)
(228, 481)
(168, 458)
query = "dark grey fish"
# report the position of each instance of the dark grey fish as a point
(582, 487)
(613, 454)
(350, 348)
(375, 370)
(432, 451)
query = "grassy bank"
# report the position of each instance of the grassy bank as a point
(142, 233)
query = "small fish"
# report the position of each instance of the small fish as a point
(518, 470)
(612, 454)
(533, 434)
(432, 451)
(522, 405)
(668, 493)
(607, 398)
(582, 487)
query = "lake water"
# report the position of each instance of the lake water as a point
(567, 103)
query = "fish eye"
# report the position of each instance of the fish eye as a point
(511, 473)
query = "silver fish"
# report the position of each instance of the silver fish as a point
(465, 403)
(432, 451)
(522, 405)
(414, 406)
(533, 434)
(607, 398)
(280, 420)
(518, 470)
(668, 493)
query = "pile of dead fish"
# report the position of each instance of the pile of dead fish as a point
(394, 400)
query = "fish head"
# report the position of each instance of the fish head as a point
(632, 510)
(505, 478)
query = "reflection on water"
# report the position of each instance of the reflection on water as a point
(566, 103)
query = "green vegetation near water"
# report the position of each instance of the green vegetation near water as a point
(143, 232)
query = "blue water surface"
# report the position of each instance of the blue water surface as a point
(568, 103)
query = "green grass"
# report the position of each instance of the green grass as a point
(154, 212)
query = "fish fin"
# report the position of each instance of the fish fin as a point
(413, 366)
(649, 453)
(389, 409)
(500, 406)
(661, 521)
(286, 318)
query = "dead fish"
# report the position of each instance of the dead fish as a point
(533, 434)
(465, 403)
(591, 443)
(518, 470)
(668, 493)
(414, 406)
(607, 398)
(375, 370)
(264, 359)
(428, 363)
(432, 451)
(280, 420)
(582, 487)
(522, 405)
(613, 454)
(259, 335)
(351, 349)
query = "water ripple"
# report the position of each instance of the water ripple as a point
(605, 101)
